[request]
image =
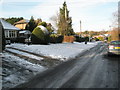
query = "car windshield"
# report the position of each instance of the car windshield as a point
(115, 42)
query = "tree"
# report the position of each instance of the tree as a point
(64, 21)
(31, 24)
(13, 19)
(55, 19)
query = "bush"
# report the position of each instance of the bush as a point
(21, 40)
(109, 38)
(60, 39)
(38, 36)
(86, 39)
(55, 38)
(81, 39)
(43, 24)
(96, 39)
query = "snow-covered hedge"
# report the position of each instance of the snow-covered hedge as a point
(40, 35)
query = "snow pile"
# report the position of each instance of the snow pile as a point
(63, 51)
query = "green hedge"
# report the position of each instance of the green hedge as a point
(55, 38)
(38, 37)
(81, 39)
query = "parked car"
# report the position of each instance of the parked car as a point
(114, 48)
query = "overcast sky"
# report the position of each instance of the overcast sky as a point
(95, 14)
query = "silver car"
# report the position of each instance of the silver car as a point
(114, 48)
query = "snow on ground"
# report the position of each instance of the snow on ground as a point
(16, 70)
(63, 51)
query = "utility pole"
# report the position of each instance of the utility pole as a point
(80, 28)
(110, 31)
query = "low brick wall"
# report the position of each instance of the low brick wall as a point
(69, 39)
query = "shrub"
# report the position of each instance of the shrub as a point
(101, 38)
(59, 39)
(38, 36)
(109, 38)
(21, 40)
(96, 39)
(43, 24)
(81, 39)
(55, 38)
(86, 39)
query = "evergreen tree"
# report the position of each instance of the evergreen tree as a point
(31, 24)
(65, 22)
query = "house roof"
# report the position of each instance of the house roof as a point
(22, 21)
(8, 26)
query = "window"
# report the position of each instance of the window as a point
(7, 34)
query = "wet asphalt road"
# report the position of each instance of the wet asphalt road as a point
(94, 69)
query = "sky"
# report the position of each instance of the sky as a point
(95, 15)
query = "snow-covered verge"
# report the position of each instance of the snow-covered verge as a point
(16, 70)
(63, 51)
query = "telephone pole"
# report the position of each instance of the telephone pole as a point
(80, 28)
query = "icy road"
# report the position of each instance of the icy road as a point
(93, 69)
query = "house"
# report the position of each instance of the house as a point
(23, 34)
(21, 24)
(11, 32)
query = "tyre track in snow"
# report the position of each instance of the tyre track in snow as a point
(33, 57)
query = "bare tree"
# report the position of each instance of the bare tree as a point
(55, 19)
(115, 19)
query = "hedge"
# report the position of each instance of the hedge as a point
(38, 37)
(81, 39)
(55, 38)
